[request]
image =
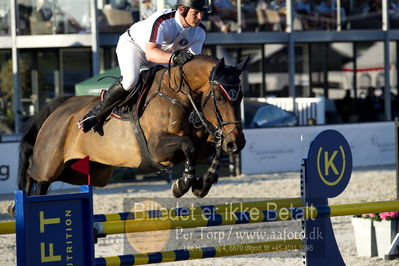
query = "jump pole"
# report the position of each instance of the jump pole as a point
(258, 216)
(230, 218)
(199, 210)
(59, 228)
(201, 253)
(9, 227)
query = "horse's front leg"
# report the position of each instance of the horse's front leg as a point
(166, 148)
(183, 184)
(202, 185)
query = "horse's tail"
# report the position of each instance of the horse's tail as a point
(29, 135)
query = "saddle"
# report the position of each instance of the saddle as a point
(134, 101)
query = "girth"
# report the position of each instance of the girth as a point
(147, 164)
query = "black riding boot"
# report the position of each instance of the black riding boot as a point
(104, 108)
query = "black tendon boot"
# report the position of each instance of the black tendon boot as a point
(104, 108)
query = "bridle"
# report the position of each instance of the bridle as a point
(196, 116)
(217, 132)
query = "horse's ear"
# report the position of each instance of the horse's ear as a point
(220, 66)
(240, 67)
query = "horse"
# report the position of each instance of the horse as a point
(189, 114)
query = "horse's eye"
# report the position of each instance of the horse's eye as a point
(218, 98)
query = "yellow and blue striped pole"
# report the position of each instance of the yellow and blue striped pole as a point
(256, 216)
(357, 208)
(213, 219)
(183, 211)
(201, 253)
(7, 228)
(228, 218)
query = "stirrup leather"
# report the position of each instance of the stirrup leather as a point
(109, 99)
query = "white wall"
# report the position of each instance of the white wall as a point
(305, 108)
(281, 149)
(8, 167)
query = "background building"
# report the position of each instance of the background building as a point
(343, 50)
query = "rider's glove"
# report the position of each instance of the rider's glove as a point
(180, 57)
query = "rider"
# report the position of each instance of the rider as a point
(166, 36)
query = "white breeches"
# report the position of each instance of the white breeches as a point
(130, 59)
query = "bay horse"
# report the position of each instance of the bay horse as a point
(189, 114)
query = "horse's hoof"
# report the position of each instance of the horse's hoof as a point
(11, 208)
(198, 188)
(203, 185)
(199, 193)
(181, 186)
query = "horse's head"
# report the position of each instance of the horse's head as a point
(221, 103)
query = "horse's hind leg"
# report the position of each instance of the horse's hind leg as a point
(32, 188)
(38, 188)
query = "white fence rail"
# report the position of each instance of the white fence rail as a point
(306, 109)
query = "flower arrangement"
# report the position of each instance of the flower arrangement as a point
(381, 216)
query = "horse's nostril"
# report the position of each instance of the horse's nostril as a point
(231, 147)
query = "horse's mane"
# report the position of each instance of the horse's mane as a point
(203, 59)
(207, 56)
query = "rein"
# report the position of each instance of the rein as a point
(215, 132)
(196, 116)
(160, 94)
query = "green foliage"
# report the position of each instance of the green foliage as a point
(7, 87)
(6, 78)
(6, 82)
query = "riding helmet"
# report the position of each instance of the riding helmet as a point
(194, 4)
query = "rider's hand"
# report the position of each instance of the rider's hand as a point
(180, 57)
